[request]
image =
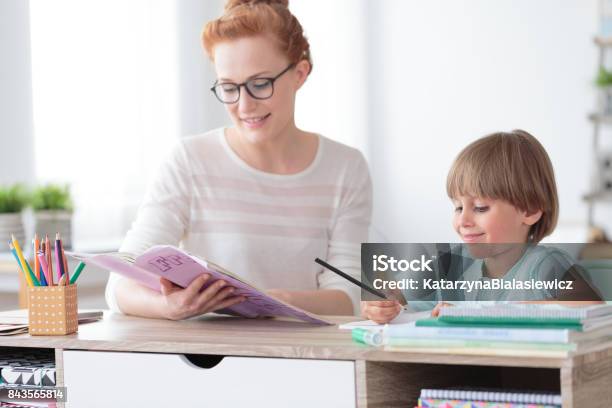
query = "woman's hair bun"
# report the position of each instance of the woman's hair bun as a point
(230, 4)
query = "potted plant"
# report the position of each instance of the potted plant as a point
(52, 207)
(604, 82)
(12, 201)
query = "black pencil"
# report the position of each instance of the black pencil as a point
(350, 278)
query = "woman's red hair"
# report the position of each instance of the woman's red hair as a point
(247, 18)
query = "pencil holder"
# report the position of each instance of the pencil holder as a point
(52, 310)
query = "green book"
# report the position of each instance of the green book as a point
(498, 322)
(454, 343)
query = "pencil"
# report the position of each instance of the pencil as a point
(351, 279)
(49, 259)
(26, 266)
(45, 271)
(77, 272)
(58, 259)
(44, 266)
(29, 282)
(36, 266)
(64, 260)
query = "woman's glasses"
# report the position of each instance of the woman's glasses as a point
(258, 88)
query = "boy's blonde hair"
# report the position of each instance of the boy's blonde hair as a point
(513, 167)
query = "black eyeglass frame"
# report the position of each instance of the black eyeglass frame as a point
(244, 84)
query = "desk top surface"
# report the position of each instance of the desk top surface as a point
(225, 335)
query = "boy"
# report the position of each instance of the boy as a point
(503, 191)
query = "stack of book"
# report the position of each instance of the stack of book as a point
(462, 398)
(513, 330)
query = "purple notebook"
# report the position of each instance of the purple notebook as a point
(182, 268)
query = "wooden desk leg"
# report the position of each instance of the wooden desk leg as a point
(586, 381)
(384, 385)
(23, 292)
(390, 385)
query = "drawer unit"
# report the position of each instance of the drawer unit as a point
(104, 379)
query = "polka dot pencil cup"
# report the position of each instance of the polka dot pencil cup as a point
(53, 310)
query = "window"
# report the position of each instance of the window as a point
(105, 92)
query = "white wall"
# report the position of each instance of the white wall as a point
(199, 109)
(333, 101)
(410, 82)
(16, 140)
(445, 72)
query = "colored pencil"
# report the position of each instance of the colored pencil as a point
(44, 272)
(63, 259)
(77, 272)
(49, 259)
(36, 243)
(42, 280)
(58, 259)
(25, 264)
(19, 263)
(44, 266)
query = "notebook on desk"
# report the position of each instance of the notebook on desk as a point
(182, 268)
(20, 316)
(14, 322)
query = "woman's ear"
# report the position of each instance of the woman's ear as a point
(532, 218)
(302, 69)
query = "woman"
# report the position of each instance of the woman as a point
(261, 198)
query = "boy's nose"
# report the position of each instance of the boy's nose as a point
(466, 219)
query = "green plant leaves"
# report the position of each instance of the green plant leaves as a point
(51, 197)
(13, 198)
(604, 78)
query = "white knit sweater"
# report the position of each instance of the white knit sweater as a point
(266, 227)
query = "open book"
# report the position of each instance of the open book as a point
(182, 268)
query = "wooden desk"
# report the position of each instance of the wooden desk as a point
(381, 379)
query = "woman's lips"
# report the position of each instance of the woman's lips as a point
(255, 122)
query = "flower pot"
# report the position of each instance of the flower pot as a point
(11, 223)
(50, 222)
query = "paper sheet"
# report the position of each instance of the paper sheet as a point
(402, 318)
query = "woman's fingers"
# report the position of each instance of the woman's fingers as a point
(209, 293)
(220, 295)
(192, 300)
(192, 291)
(228, 302)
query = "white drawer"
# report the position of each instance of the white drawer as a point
(112, 379)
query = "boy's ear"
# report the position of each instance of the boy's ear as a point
(532, 218)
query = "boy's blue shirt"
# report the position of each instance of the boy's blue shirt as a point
(539, 262)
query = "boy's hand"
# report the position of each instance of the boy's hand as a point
(380, 311)
(436, 310)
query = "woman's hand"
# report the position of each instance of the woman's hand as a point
(380, 311)
(436, 310)
(188, 302)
